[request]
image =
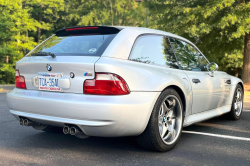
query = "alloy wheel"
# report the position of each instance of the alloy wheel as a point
(170, 119)
(238, 102)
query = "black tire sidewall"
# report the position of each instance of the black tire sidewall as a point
(154, 120)
(232, 112)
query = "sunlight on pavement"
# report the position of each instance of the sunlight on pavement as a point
(224, 127)
(217, 135)
(10, 157)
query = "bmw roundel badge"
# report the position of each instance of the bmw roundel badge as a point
(49, 68)
(72, 75)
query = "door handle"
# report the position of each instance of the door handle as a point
(196, 81)
(228, 81)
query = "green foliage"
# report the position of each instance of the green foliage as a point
(113, 12)
(217, 26)
(22, 22)
(47, 13)
(15, 23)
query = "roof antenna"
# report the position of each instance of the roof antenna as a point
(100, 19)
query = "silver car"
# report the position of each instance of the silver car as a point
(121, 81)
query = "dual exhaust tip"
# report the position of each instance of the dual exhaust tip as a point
(26, 122)
(74, 130)
(71, 130)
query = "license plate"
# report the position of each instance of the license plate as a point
(48, 81)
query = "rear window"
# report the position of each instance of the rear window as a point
(85, 45)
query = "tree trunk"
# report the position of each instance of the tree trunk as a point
(236, 72)
(38, 28)
(6, 78)
(17, 42)
(26, 40)
(146, 17)
(7, 59)
(246, 60)
(100, 18)
(111, 12)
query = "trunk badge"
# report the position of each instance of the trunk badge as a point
(49, 68)
(87, 74)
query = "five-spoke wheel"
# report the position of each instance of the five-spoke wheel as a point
(237, 104)
(165, 124)
(170, 115)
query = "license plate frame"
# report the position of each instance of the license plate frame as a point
(49, 82)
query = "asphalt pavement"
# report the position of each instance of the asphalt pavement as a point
(214, 142)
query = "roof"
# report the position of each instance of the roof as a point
(116, 29)
(151, 31)
(123, 42)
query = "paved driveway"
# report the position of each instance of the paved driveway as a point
(213, 142)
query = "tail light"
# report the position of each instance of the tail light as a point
(20, 81)
(106, 84)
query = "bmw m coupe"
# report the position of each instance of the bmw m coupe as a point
(109, 81)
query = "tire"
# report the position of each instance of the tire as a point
(49, 129)
(237, 104)
(154, 138)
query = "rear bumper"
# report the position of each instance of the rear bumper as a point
(107, 116)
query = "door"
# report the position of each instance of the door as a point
(206, 90)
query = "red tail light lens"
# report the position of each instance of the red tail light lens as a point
(106, 84)
(20, 81)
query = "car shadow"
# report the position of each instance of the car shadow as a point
(58, 140)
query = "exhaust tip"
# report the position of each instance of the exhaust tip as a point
(25, 122)
(72, 130)
(66, 130)
(21, 121)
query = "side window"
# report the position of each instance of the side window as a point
(203, 62)
(186, 54)
(153, 49)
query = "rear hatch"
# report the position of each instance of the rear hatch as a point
(65, 60)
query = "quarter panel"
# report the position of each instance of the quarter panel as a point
(122, 44)
(145, 77)
(234, 82)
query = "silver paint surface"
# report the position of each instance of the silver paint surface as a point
(112, 116)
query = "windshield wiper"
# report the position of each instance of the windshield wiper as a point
(44, 54)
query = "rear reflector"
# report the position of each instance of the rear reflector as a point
(106, 84)
(80, 28)
(20, 81)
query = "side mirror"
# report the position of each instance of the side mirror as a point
(212, 67)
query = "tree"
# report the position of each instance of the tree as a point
(22, 22)
(113, 12)
(15, 23)
(218, 27)
(46, 13)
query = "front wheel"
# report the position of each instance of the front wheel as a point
(165, 124)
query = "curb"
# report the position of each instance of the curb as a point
(6, 88)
